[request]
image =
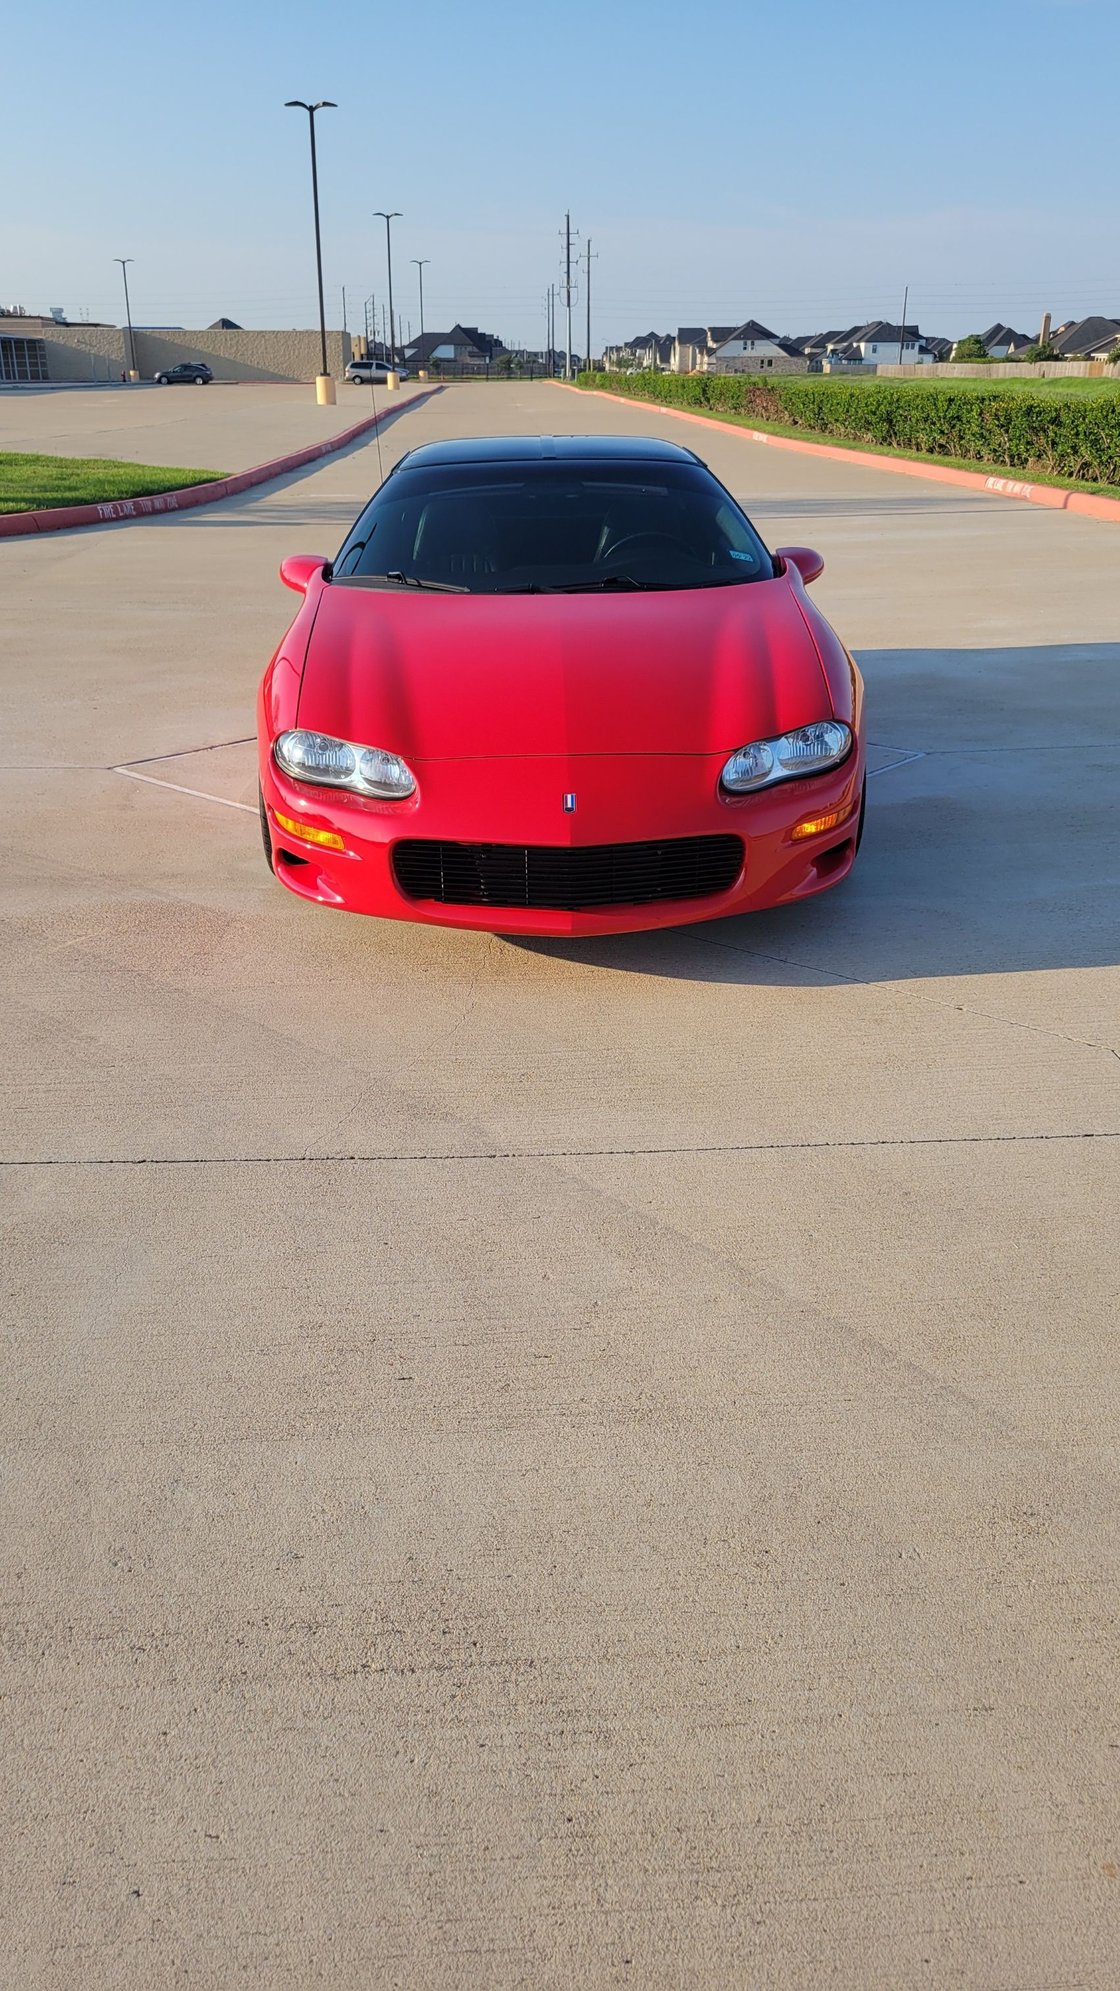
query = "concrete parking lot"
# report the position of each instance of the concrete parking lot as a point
(562, 1464)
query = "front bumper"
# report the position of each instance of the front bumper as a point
(618, 799)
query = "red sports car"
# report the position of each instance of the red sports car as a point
(557, 685)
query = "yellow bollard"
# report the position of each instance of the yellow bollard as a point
(392, 378)
(324, 390)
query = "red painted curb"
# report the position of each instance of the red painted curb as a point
(1056, 497)
(121, 510)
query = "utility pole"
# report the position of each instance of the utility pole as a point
(587, 352)
(902, 327)
(345, 326)
(568, 293)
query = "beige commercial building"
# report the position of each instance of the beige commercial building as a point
(100, 352)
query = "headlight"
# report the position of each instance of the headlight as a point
(331, 763)
(809, 750)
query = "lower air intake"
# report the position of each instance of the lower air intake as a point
(561, 879)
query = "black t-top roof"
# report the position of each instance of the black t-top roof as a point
(538, 449)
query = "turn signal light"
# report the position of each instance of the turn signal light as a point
(326, 839)
(812, 825)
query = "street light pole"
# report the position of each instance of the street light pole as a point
(124, 261)
(394, 215)
(324, 386)
(420, 262)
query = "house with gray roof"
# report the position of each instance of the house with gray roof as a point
(645, 353)
(1002, 342)
(1086, 338)
(464, 345)
(754, 348)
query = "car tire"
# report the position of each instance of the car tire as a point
(265, 838)
(162, 380)
(198, 381)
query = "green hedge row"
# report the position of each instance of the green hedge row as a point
(1047, 434)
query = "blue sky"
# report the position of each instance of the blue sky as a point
(798, 165)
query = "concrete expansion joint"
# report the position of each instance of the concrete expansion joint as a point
(182, 753)
(178, 788)
(909, 993)
(559, 1154)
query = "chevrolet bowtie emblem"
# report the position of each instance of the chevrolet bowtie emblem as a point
(569, 805)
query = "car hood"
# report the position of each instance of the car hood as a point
(436, 677)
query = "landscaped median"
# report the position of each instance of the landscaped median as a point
(1061, 436)
(42, 483)
(202, 487)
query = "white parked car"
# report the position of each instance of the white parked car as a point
(373, 372)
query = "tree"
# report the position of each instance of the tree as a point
(972, 348)
(1041, 352)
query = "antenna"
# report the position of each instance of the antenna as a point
(377, 430)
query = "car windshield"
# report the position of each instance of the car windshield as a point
(553, 526)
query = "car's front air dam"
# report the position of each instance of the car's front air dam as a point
(617, 799)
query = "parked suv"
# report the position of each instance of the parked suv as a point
(373, 371)
(189, 371)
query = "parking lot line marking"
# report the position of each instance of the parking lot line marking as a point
(177, 788)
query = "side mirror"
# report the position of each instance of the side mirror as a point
(299, 570)
(808, 563)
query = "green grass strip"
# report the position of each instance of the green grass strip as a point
(43, 483)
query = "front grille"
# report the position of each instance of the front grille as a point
(564, 879)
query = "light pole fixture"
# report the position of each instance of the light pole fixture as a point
(420, 261)
(124, 262)
(322, 392)
(395, 215)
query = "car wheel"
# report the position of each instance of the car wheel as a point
(198, 380)
(265, 838)
(162, 380)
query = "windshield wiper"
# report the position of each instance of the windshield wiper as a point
(399, 580)
(582, 587)
(610, 581)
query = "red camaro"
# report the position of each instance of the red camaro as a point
(557, 684)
